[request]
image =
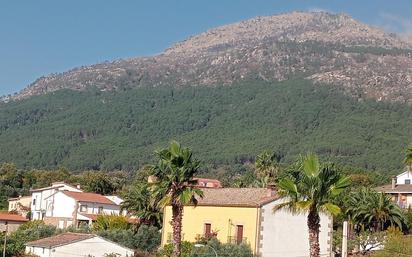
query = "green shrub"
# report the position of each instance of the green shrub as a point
(227, 250)
(396, 246)
(147, 238)
(167, 250)
(110, 222)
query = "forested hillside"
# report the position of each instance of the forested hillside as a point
(223, 125)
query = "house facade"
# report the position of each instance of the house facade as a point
(67, 208)
(20, 205)
(76, 244)
(39, 205)
(245, 215)
(400, 189)
(11, 222)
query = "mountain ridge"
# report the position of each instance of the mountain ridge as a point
(326, 48)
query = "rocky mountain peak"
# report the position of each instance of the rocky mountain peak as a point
(295, 26)
(364, 61)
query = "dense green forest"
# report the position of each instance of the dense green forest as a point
(224, 125)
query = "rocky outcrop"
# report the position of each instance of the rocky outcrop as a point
(326, 48)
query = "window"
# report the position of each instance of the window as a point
(208, 229)
(34, 201)
(407, 181)
(100, 210)
(83, 208)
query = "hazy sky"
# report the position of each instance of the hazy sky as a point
(46, 36)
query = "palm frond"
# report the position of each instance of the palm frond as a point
(331, 208)
(311, 165)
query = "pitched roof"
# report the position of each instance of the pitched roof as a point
(54, 185)
(88, 197)
(59, 240)
(12, 217)
(242, 197)
(92, 217)
(19, 198)
(400, 188)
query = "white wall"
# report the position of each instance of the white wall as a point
(38, 251)
(95, 246)
(64, 206)
(408, 200)
(40, 196)
(61, 206)
(400, 179)
(285, 234)
(114, 198)
(93, 208)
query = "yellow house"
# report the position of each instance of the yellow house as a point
(244, 215)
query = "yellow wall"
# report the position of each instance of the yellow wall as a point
(223, 220)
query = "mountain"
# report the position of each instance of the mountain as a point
(224, 125)
(326, 48)
(291, 83)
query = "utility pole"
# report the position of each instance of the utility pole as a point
(5, 238)
(345, 239)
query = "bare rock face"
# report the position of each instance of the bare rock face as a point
(365, 62)
(296, 26)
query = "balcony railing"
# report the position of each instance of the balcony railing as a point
(236, 240)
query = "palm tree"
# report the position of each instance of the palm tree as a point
(408, 157)
(373, 210)
(138, 201)
(174, 185)
(267, 165)
(311, 189)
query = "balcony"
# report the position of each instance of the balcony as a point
(236, 240)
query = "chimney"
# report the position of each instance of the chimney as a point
(393, 182)
(271, 189)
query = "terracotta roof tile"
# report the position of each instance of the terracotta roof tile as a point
(92, 217)
(245, 197)
(12, 217)
(398, 189)
(88, 197)
(61, 239)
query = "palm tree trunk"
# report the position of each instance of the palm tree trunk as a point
(314, 226)
(177, 213)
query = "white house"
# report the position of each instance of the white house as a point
(286, 234)
(400, 189)
(66, 208)
(38, 205)
(76, 244)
